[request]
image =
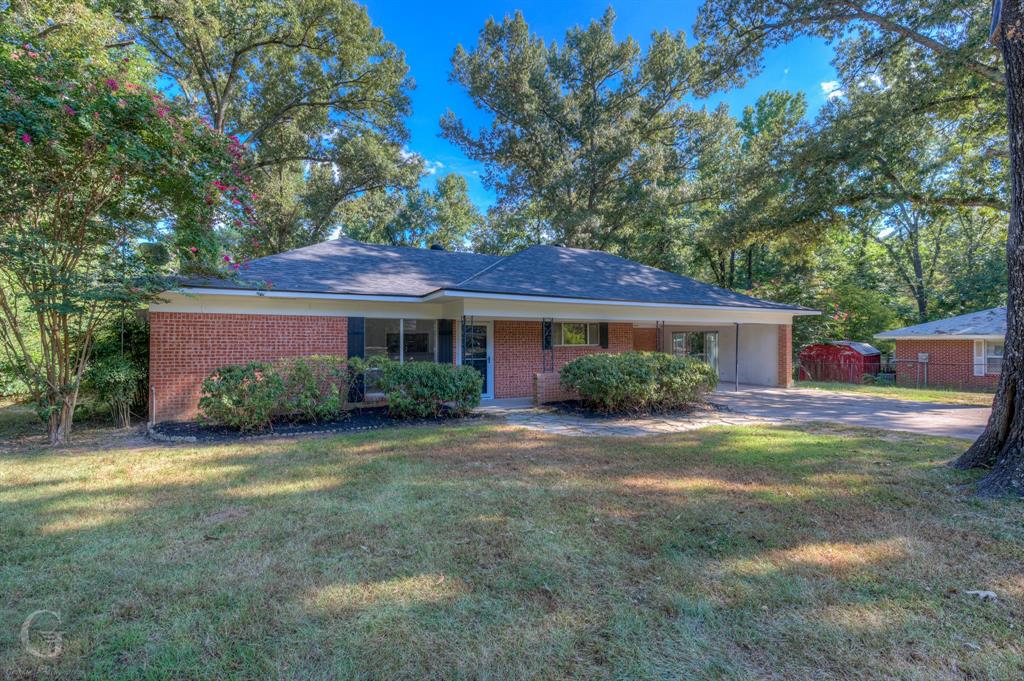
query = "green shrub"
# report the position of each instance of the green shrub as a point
(423, 389)
(243, 397)
(636, 382)
(123, 338)
(315, 388)
(115, 381)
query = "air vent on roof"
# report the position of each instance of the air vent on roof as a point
(437, 247)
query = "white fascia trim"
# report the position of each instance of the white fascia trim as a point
(625, 303)
(945, 336)
(472, 294)
(294, 295)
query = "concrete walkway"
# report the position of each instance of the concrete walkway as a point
(752, 405)
(927, 418)
(546, 419)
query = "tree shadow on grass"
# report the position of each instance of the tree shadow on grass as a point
(471, 551)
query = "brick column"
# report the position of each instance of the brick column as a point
(785, 379)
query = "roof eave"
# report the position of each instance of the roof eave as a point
(455, 293)
(541, 298)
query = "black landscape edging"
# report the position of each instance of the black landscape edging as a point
(360, 420)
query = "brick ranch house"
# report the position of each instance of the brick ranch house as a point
(517, 319)
(964, 351)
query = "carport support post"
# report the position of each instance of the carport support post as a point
(736, 360)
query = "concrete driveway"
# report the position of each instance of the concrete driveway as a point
(794, 404)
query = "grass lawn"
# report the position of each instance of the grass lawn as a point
(979, 399)
(482, 551)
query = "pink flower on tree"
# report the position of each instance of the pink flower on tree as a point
(193, 249)
(26, 138)
(113, 84)
(227, 258)
(69, 110)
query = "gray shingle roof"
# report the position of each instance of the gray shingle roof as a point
(579, 273)
(347, 266)
(990, 322)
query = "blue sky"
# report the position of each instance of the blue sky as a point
(429, 32)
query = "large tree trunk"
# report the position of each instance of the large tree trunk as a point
(1001, 446)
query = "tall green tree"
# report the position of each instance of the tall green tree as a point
(742, 183)
(94, 161)
(443, 217)
(590, 137)
(310, 86)
(931, 71)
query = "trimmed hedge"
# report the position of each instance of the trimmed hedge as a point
(310, 389)
(244, 397)
(424, 389)
(636, 382)
(249, 397)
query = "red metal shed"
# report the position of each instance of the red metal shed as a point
(843, 361)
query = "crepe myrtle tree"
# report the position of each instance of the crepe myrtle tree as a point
(95, 164)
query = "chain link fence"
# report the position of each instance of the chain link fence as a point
(907, 373)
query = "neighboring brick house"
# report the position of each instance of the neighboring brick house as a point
(517, 319)
(959, 352)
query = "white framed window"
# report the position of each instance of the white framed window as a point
(401, 340)
(576, 333)
(988, 357)
(993, 357)
(700, 344)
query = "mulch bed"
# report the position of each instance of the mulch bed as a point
(578, 408)
(358, 420)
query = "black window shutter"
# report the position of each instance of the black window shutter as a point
(602, 333)
(356, 348)
(546, 333)
(444, 341)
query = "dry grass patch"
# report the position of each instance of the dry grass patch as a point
(491, 552)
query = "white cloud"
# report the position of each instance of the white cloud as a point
(429, 167)
(831, 90)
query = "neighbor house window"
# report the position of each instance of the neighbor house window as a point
(576, 333)
(993, 357)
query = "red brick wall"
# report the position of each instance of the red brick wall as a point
(184, 347)
(645, 339)
(518, 355)
(785, 379)
(950, 364)
(547, 387)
